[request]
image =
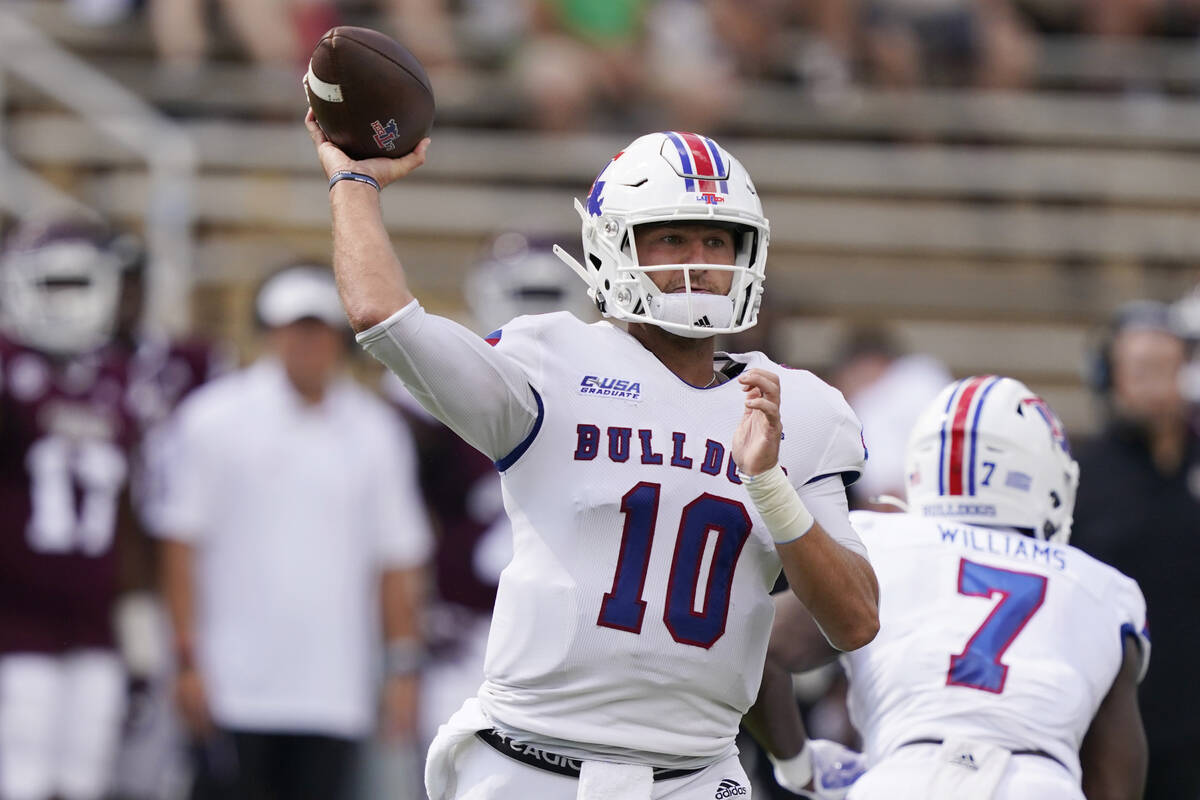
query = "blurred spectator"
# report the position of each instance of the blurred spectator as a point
(582, 52)
(906, 43)
(425, 27)
(66, 441)
(292, 522)
(461, 485)
(265, 28)
(1186, 319)
(623, 57)
(755, 32)
(888, 390)
(1139, 510)
(691, 64)
(1123, 19)
(281, 34)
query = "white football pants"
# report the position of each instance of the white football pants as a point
(60, 719)
(915, 772)
(483, 773)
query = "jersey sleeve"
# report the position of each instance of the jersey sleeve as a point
(1131, 605)
(826, 500)
(830, 455)
(829, 435)
(845, 448)
(481, 392)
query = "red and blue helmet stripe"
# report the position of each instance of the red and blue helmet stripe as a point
(956, 466)
(700, 162)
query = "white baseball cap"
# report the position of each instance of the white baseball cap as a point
(301, 292)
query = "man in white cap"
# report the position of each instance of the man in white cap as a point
(292, 510)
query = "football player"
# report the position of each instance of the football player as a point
(644, 477)
(1007, 662)
(516, 276)
(65, 439)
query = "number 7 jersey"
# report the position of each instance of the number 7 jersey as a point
(987, 634)
(635, 613)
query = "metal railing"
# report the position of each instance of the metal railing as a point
(111, 109)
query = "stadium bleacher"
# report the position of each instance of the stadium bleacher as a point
(991, 229)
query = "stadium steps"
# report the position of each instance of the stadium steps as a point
(999, 173)
(994, 230)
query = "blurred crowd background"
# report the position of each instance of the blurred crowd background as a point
(954, 187)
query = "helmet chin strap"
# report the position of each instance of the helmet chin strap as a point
(708, 311)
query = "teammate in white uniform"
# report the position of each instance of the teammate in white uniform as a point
(630, 627)
(1007, 661)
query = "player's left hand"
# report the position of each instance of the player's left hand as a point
(756, 440)
(399, 722)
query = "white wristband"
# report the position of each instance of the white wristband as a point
(780, 507)
(794, 773)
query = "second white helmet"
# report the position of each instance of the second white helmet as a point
(988, 451)
(672, 177)
(60, 285)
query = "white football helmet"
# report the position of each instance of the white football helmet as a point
(520, 277)
(988, 451)
(671, 177)
(60, 286)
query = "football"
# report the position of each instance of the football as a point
(370, 96)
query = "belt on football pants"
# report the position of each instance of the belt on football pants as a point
(1041, 753)
(553, 762)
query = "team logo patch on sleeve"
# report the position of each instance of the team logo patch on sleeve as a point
(493, 338)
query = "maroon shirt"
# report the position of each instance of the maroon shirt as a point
(163, 371)
(65, 440)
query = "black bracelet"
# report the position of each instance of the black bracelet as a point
(347, 175)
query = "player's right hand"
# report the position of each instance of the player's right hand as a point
(835, 769)
(192, 700)
(383, 170)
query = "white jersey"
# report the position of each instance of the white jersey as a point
(987, 634)
(633, 619)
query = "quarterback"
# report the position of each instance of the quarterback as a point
(1007, 662)
(655, 486)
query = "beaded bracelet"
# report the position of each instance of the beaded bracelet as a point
(347, 175)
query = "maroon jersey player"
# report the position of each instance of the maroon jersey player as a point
(65, 440)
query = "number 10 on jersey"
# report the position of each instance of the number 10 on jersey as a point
(623, 606)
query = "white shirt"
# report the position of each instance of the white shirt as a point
(987, 634)
(633, 618)
(294, 511)
(888, 409)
